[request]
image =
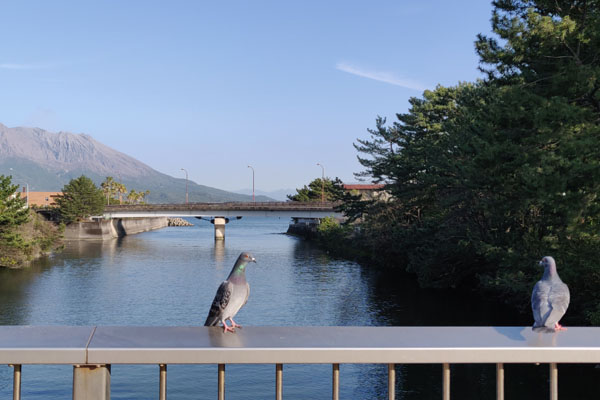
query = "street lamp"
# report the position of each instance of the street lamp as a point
(249, 166)
(322, 182)
(27, 185)
(186, 185)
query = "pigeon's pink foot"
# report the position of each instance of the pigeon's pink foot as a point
(227, 328)
(559, 327)
(233, 324)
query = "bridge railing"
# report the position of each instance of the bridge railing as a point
(271, 205)
(92, 350)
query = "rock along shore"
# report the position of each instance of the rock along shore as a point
(179, 222)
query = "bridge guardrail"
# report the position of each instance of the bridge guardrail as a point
(93, 349)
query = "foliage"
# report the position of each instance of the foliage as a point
(113, 189)
(12, 206)
(488, 177)
(135, 197)
(23, 234)
(121, 190)
(13, 213)
(80, 199)
(333, 190)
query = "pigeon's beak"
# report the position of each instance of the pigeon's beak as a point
(253, 260)
(541, 263)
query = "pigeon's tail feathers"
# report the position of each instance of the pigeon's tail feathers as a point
(211, 320)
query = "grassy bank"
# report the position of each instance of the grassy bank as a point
(28, 241)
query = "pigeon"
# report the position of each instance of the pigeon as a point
(231, 295)
(549, 299)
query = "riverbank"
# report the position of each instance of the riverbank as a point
(33, 239)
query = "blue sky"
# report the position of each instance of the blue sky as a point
(215, 86)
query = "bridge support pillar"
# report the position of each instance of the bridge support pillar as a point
(91, 382)
(219, 223)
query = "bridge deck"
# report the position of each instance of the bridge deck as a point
(262, 209)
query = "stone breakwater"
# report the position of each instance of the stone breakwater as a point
(179, 222)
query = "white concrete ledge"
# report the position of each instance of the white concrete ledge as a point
(293, 345)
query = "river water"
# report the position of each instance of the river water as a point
(169, 277)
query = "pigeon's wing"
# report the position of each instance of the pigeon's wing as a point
(539, 303)
(558, 298)
(247, 294)
(219, 303)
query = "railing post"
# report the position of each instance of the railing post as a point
(279, 381)
(336, 382)
(553, 381)
(91, 382)
(391, 381)
(17, 382)
(499, 381)
(446, 381)
(162, 386)
(221, 382)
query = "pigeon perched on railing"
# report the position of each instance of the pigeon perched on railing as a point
(231, 295)
(549, 299)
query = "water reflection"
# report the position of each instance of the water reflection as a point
(169, 277)
(219, 254)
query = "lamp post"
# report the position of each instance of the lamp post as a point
(322, 182)
(186, 184)
(249, 166)
(27, 184)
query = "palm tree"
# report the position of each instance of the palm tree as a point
(108, 188)
(121, 189)
(133, 196)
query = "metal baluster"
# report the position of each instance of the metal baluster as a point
(162, 387)
(16, 382)
(499, 381)
(336, 382)
(391, 381)
(553, 381)
(221, 381)
(446, 381)
(279, 381)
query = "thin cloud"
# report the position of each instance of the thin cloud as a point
(22, 67)
(380, 76)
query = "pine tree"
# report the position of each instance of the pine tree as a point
(13, 213)
(80, 199)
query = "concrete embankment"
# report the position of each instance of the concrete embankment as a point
(304, 227)
(112, 228)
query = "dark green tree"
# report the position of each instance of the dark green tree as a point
(13, 213)
(486, 178)
(333, 191)
(80, 199)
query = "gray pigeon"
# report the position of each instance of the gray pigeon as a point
(231, 295)
(549, 299)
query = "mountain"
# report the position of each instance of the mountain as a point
(47, 161)
(279, 195)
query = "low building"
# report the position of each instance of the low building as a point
(40, 199)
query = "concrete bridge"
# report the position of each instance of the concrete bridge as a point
(220, 213)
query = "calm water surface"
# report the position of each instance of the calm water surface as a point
(169, 277)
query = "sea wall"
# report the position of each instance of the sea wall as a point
(304, 227)
(112, 228)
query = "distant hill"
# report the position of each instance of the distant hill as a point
(47, 161)
(279, 195)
